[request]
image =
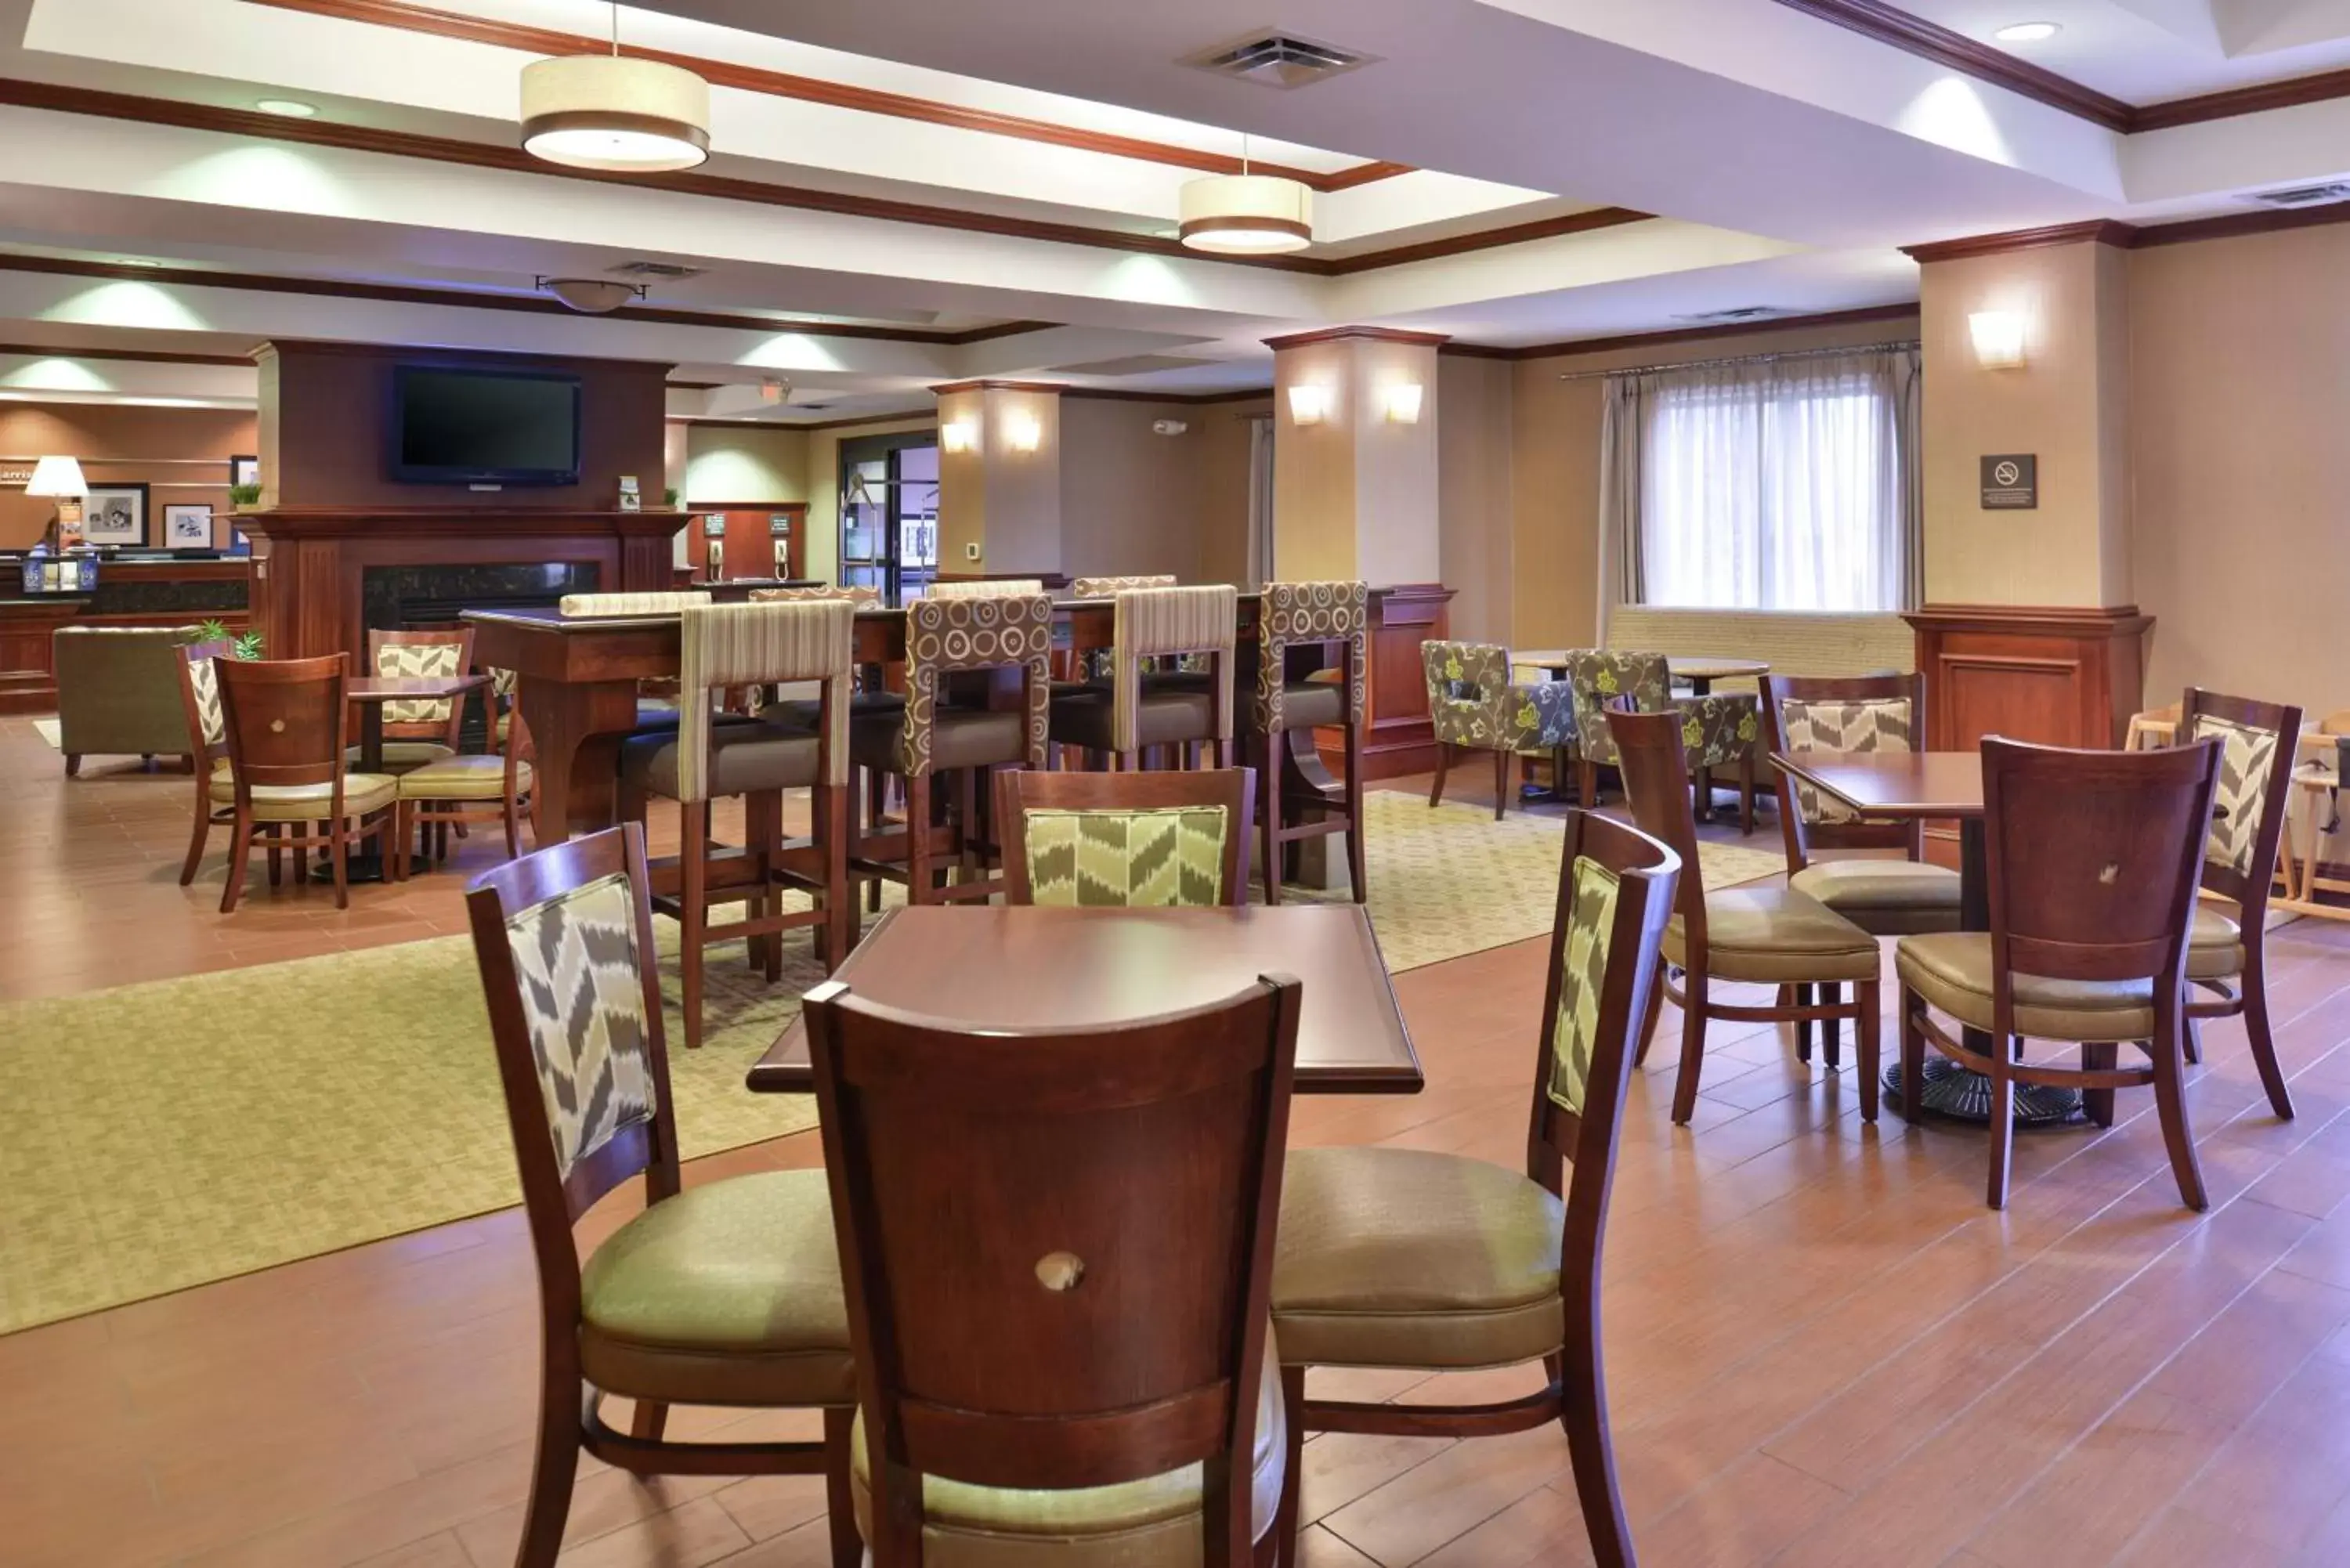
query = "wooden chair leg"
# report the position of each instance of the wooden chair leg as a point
(1913, 1055)
(2191, 1039)
(1831, 1030)
(338, 845)
(201, 831)
(1285, 1520)
(1746, 793)
(1501, 761)
(2098, 1104)
(1803, 993)
(1692, 1046)
(1869, 1027)
(1591, 1451)
(650, 1420)
(2002, 1124)
(2170, 1106)
(240, 855)
(277, 856)
(1648, 1022)
(553, 1468)
(839, 1500)
(918, 841)
(2255, 982)
(966, 808)
(1358, 865)
(692, 851)
(1443, 766)
(73, 764)
(1268, 818)
(1587, 783)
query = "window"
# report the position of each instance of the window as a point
(1775, 484)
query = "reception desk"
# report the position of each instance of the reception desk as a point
(161, 590)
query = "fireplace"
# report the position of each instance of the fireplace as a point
(402, 598)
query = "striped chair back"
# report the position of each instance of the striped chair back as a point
(1151, 622)
(578, 605)
(721, 646)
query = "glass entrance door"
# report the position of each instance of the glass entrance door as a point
(890, 513)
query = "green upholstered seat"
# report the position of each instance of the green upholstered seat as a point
(398, 756)
(1163, 857)
(728, 1294)
(2215, 946)
(1774, 935)
(1148, 1523)
(1952, 969)
(1884, 898)
(1399, 1257)
(362, 793)
(476, 776)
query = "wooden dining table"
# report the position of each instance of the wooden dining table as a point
(1004, 967)
(368, 693)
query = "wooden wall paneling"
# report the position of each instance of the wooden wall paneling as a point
(1400, 740)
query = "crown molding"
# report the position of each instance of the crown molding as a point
(416, 18)
(2186, 231)
(1179, 400)
(1375, 333)
(992, 385)
(1572, 347)
(1486, 239)
(2102, 231)
(131, 356)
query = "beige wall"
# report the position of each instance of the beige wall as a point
(734, 463)
(2240, 381)
(2068, 404)
(180, 455)
(1475, 543)
(1222, 495)
(1133, 501)
(1002, 499)
(1356, 494)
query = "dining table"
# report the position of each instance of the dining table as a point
(368, 693)
(1933, 786)
(1030, 968)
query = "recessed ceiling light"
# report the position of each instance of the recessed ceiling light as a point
(291, 109)
(2028, 32)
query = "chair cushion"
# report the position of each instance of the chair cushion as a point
(1884, 898)
(744, 759)
(1774, 934)
(1163, 718)
(2215, 946)
(398, 756)
(728, 1294)
(362, 793)
(479, 776)
(1401, 1257)
(1952, 969)
(1306, 704)
(801, 713)
(960, 738)
(1148, 1523)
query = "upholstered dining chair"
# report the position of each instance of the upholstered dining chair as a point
(492, 786)
(418, 730)
(1335, 619)
(723, 646)
(2092, 860)
(1161, 840)
(1473, 705)
(944, 636)
(207, 743)
(1092, 664)
(1884, 897)
(1717, 731)
(2227, 955)
(725, 1295)
(1058, 1277)
(1439, 1262)
(1760, 935)
(1133, 716)
(284, 720)
(800, 712)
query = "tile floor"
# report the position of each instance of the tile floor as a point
(1823, 1351)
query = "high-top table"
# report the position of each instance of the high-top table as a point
(1026, 968)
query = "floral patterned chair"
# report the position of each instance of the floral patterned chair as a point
(1473, 705)
(1719, 730)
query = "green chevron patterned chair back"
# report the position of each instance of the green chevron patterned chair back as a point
(394, 655)
(1127, 840)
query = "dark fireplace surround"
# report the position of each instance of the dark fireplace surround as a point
(405, 599)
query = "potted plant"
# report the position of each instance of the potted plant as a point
(242, 644)
(670, 496)
(243, 497)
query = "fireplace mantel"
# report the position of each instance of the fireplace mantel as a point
(310, 563)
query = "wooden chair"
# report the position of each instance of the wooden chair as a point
(673, 1307)
(1334, 616)
(207, 743)
(1717, 731)
(471, 787)
(420, 730)
(1409, 1258)
(1884, 898)
(1058, 1274)
(946, 634)
(2154, 728)
(2253, 799)
(2092, 860)
(1473, 705)
(284, 720)
(723, 646)
(1134, 715)
(1760, 935)
(1125, 840)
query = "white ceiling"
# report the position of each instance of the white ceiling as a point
(2143, 51)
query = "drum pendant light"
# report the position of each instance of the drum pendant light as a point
(1245, 213)
(614, 113)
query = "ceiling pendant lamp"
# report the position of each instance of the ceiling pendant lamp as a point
(615, 113)
(1245, 213)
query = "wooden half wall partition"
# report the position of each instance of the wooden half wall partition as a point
(2062, 676)
(1401, 738)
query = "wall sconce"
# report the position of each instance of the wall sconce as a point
(1022, 432)
(1998, 338)
(1309, 403)
(1402, 402)
(959, 436)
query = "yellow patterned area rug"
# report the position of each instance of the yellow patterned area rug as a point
(171, 1134)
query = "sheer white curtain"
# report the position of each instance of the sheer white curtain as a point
(1786, 485)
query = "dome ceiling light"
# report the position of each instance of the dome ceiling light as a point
(615, 113)
(1245, 213)
(590, 295)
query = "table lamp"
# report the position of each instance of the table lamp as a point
(60, 477)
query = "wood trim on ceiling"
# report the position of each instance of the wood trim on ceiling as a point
(2186, 231)
(61, 99)
(469, 300)
(1684, 334)
(989, 384)
(135, 355)
(1928, 40)
(809, 425)
(416, 18)
(1376, 334)
(2104, 232)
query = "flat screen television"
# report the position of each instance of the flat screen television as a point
(484, 427)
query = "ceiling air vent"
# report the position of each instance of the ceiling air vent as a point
(655, 269)
(2303, 195)
(1278, 60)
(1736, 313)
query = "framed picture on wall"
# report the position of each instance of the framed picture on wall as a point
(244, 471)
(188, 526)
(115, 515)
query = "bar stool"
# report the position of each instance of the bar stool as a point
(720, 646)
(1322, 616)
(1131, 715)
(946, 634)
